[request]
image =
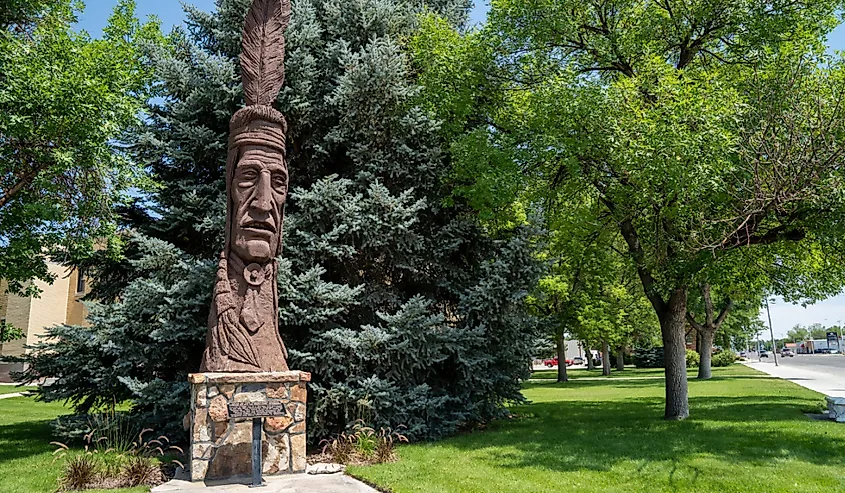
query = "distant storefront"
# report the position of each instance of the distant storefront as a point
(808, 347)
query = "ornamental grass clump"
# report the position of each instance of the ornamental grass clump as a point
(109, 460)
(363, 446)
(140, 471)
(79, 473)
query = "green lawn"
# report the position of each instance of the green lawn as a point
(12, 389)
(628, 372)
(26, 456)
(745, 434)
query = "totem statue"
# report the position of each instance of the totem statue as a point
(243, 327)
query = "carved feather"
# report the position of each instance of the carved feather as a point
(263, 55)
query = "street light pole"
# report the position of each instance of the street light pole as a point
(839, 332)
(772, 333)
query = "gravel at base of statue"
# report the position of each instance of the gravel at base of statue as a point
(243, 326)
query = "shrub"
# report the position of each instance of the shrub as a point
(693, 359)
(118, 429)
(71, 428)
(724, 358)
(648, 357)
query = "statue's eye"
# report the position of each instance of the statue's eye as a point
(279, 183)
(249, 174)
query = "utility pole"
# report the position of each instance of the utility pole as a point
(772, 333)
(839, 332)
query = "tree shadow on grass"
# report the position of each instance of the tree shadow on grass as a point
(632, 383)
(585, 384)
(25, 439)
(591, 435)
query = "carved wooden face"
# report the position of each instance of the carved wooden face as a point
(259, 190)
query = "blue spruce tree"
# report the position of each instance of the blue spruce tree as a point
(406, 311)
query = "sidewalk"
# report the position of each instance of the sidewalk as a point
(300, 483)
(826, 383)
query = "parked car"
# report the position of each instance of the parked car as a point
(578, 360)
(787, 352)
(743, 354)
(764, 353)
(822, 350)
(554, 361)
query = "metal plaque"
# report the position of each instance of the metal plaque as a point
(257, 409)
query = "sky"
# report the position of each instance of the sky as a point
(96, 14)
(784, 315)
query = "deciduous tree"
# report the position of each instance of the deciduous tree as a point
(704, 129)
(65, 102)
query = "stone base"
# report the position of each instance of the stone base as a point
(836, 407)
(221, 446)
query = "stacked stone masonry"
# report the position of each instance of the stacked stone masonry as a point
(221, 446)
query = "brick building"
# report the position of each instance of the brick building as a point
(59, 303)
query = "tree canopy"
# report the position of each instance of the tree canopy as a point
(66, 101)
(711, 135)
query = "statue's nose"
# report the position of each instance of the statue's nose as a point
(263, 200)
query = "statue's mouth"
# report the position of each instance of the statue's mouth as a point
(259, 226)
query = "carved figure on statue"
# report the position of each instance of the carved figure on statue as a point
(258, 195)
(243, 334)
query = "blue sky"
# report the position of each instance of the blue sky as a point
(784, 316)
(96, 13)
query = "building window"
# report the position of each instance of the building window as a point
(80, 281)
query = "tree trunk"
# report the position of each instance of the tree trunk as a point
(697, 339)
(561, 359)
(589, 356)
(672, 324)
(706, 353)
(605, 358)
(620, 359)
(707, 331)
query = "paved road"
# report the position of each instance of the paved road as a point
(826, 363)
(823, 373)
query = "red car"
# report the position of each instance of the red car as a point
(553, 362)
